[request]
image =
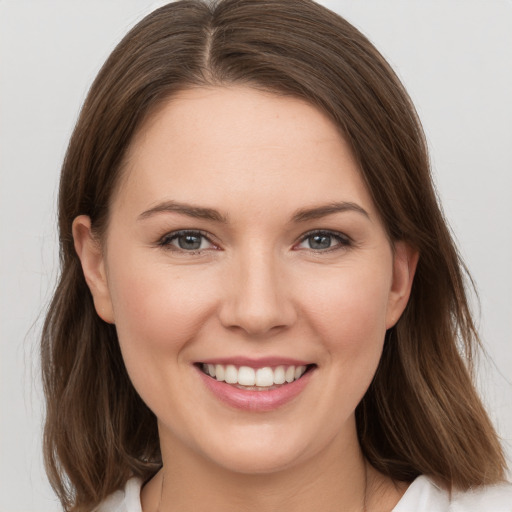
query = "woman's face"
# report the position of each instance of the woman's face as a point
(243, 242)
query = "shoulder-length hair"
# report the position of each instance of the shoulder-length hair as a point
(421, 414)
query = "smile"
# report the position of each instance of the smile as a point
(255, 379)
(255, 386)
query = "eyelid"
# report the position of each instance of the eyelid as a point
(165, 240)
(344, 240)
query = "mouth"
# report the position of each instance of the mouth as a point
(266, 378)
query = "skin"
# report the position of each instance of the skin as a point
(255, 288)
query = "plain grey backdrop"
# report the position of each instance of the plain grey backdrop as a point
(454, 57)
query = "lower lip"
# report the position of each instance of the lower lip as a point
(256, 401)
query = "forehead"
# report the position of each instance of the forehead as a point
(207, 143)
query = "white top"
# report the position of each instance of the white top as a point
(423, 495)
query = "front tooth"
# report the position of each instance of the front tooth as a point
(247, 376)
(231, 375)
(211, 370)
(299, 371)
(264, 377)
(219, 372)
(279, 375)
(290, 374)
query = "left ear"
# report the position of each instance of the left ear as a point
(405, 260)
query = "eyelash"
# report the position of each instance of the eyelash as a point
(343, 241)
(166, 241)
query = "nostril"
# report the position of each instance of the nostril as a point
(256, 302)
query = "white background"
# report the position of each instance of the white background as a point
(455, 58)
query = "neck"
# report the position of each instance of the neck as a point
(334, 479)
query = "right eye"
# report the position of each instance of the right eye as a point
(186, 241)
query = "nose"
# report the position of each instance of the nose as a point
(257, 296)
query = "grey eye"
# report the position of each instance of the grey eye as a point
(324, 241)
(190, 242)
(186, 241)
(319, 241)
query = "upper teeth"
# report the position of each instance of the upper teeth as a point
(247, 376)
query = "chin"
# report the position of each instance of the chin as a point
(256, 461)
(260, 450)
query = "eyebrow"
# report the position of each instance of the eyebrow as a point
(306, 214)
(199, 212)
(196, 212)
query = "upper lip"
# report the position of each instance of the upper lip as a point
(260, 362)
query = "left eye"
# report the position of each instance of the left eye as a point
(186, 241)
(323, 240)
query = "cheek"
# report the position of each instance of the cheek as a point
(158, 311)
(348, 310)
(348, 317)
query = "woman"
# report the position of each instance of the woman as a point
(260, 304)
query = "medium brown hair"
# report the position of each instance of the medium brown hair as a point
(421, 414)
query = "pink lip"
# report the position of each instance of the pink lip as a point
(255, 401)
(257, 362)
